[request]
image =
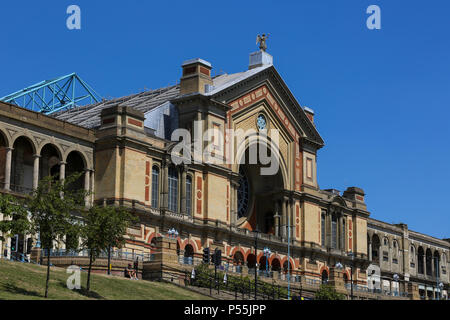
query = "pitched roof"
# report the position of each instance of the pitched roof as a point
(89, 116)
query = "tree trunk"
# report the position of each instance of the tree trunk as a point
(48, 273)
(88, 285)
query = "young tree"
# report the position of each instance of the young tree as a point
(328, 292)
(53, 206)
(104, 227)
(15, 217)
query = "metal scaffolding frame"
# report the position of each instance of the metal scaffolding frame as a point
(50, 96)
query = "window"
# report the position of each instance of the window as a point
(385, 241)
(334, 231)
(385, 256)
(343, 233)
(155, 186)
(188, 195)
(322, 228)
(173, 189)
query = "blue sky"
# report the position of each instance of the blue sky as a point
(381, 97)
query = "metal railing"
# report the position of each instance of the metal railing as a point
(114, 254)
(359, 288)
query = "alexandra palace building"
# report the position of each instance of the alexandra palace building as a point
(124, 148)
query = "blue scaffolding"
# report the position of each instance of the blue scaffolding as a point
(50, 96)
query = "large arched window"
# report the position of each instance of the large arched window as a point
(173, 189)
(22, 166)
(188, 195)
(420, 266)
(155, 186)
(428, 262)
(243, 195)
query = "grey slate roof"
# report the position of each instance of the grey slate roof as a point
(89, 116)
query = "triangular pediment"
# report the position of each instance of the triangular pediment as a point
(267, 84)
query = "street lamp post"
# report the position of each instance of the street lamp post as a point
(396, 278)
(441, 287)
(267, 253)
(172, 233)
(437, 277)
(351, 254)
(256, 259)
(289, 257)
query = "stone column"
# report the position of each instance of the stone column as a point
(62, 170)
(8, 168)
(92, 186)
(87, 176)
(370, 250)
(276, 219)
(36, 171)
(183, 190)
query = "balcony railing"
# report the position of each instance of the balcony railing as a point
(115, 254)
(17, 188)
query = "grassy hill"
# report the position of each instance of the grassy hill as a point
(21, 281)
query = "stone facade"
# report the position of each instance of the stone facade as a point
(207, 203)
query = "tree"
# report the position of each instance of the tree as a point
(103, 227)
(53, 206)
(328, 292)
(15, 216)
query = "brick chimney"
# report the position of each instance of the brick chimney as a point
(196, 76)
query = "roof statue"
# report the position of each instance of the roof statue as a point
(262, 41)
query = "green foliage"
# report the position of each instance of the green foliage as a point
(52, 206)
(15, 216)
(204, 275)
(328, 292)
(103, 228)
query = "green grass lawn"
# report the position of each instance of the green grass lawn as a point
(19, 281)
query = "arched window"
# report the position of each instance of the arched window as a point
(395, 252)
(420, 266)
(243, 194)
(412, 257)
(334, 231)
(188, 195)
(322, 228)
(155, 186)
(22, 166)
(428, 262)
(173, 189)
(436, 264)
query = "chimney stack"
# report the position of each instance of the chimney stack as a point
(196, 76)
(309, 113)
